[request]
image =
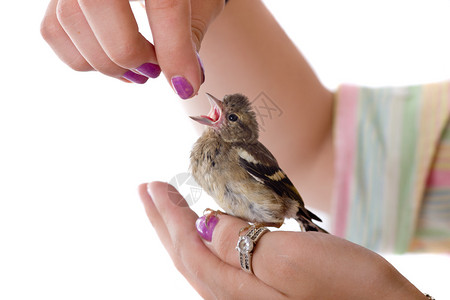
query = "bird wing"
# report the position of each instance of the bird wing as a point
(257, 160)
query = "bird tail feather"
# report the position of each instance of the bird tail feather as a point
(308, 225)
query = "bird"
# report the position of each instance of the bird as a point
(239, 172)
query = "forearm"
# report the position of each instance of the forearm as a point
(396, 286)
(246, 51)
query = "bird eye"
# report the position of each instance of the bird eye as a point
(232, 117)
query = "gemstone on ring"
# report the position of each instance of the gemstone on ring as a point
(245, 244)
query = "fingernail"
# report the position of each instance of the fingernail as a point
(201, 67)
(182, 87)
(134, 77)
(124, 80)
(149, 70)
(206, 230)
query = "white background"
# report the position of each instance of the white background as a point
(74, 146)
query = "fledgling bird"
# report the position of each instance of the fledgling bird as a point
(239, 172)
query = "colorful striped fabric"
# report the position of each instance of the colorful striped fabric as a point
(392, 153)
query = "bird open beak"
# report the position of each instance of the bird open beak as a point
(214, 117)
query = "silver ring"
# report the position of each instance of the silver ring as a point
(246, 245)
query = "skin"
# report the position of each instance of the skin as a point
(287, 265)
(244, 51)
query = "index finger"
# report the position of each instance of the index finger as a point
(115, 27)
(170, 22)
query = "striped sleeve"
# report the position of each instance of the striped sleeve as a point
(433, 226)
(386, 145)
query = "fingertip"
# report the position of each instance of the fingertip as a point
(134, 77)
(149, 206)
(164, 193)
(146, 199)
(155, 187)
(182, 87)
(149, 69)
(205, 227)
(143, 191)
(187, 86)
(170, 22)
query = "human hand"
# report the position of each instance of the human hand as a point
(286, 265)
(104, 36)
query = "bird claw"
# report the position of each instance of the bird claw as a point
(208, 213)
(259, 225)
(246, 228)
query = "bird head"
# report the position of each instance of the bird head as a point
(232, 118)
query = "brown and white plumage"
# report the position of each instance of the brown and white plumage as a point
(239, 172)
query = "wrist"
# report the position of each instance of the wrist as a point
(398, 287)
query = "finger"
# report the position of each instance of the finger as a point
(163, 234)
(59, 41)
(114, 25)
(225, 237)
(170, 22)
(155, 218)
(72, 20)
(178, 33)
(202, 15)
(179, 220)
(221, 278)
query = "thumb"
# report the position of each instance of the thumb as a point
(178, 28)
(203, 14)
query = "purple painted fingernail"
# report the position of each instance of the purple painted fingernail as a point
(134, 77)
(206, 230)
(201, 67)
(149, 70)
(182, 87)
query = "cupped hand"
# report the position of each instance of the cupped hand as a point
(286, 265)
(103, 35)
